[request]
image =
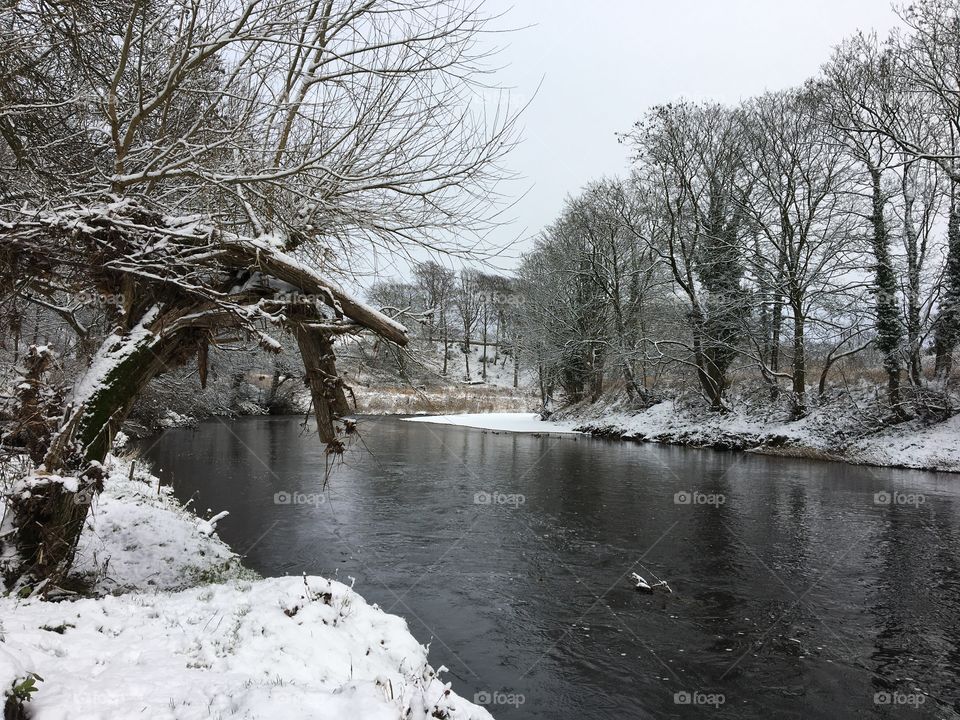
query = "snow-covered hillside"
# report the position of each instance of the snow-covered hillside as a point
(387, 381)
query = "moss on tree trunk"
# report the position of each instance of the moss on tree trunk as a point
(49, 519)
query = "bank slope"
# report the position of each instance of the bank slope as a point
(834, 431)
(240, 647)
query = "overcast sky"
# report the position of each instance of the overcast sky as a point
(600, 64)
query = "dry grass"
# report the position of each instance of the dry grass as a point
(447, 399)
(797, 451)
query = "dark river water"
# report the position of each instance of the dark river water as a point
(797, 590)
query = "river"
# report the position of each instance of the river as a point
(800, 588)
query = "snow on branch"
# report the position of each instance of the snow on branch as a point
(245, 252)
(184, 254)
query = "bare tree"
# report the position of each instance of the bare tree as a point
(903, 92)
(325, 121)
(467, 300)
(436, 284)
(801, 206)
(621, 265)
(210, 167)
(691, 158)
(565, 327)
(856, 83)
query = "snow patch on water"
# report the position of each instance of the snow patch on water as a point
(504, 422)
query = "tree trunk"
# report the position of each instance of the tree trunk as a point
(633, 388)
(776, 327)
(596, 373)
(48, 521)
(914, 340)
(799, 361)
(948, 321)
(466, 347)
(516, 365)
(542, 381)
(326, 387)
(122, 367)
(274, 388)
(483, 357)
(45, 525)
(889, 332)
(706, 370)
(446, 348)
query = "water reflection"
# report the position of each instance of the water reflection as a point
(797, 596)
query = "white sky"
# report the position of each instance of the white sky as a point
(601, 64)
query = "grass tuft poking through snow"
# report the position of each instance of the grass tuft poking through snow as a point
(179, 629)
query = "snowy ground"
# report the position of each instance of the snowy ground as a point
(382, 386)
(231, 645)
(506, 422)
(139, 537)
(423, 364)
(934, 447)
(819, 435)
(832, 432)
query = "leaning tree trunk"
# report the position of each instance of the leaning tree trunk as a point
(44, 524)
(207, 287)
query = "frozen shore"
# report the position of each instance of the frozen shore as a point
(175, 627)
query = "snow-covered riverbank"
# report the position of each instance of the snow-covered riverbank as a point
(829, 433)
(909, 445)
(193, 634)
